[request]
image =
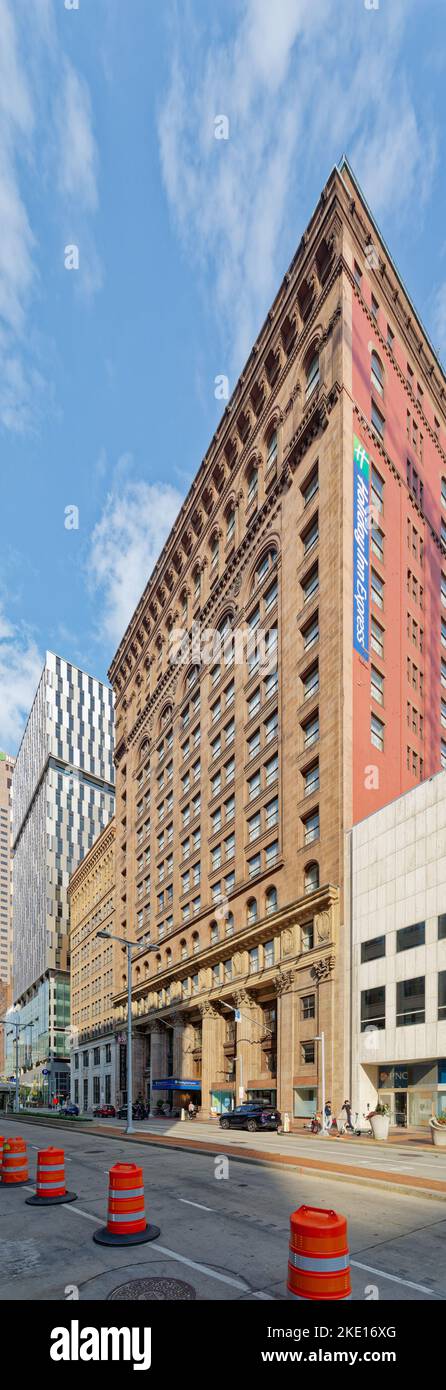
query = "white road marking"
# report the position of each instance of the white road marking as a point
(77, 1211)
(194, 1204)
(396, 1279)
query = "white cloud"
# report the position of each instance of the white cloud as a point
(297, 89)
(78, 158)
(125, 545)
(20, 667)
(32, 64)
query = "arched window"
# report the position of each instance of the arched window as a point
(215, 555)
(253, 485)
(271, 449)
(377, 374)
(312, 375)
(159, 964)
(168, 958)
(192, 676)
(184, 605)
(251, 911)
(229, 927)
(183, 949)
(271, 900)
(197, 583)
(311, 877)
(264, 565)
(196, 942)
(230, 524)
(213, 932)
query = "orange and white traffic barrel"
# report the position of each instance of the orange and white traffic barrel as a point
(126, 1218)
(14, 1163)
(50, 1182)
(318, 1265)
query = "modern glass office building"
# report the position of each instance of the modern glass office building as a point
(63, 796)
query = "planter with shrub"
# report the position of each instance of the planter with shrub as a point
(380, 1121)
(438, 1129)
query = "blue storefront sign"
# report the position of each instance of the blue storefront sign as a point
(172, 1083)
(361, 549)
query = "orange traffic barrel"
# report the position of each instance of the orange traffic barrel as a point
(14, 1163)
(50, 1181)
(318, 1265)
(126, 1218)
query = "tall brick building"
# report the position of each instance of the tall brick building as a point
(315, 521)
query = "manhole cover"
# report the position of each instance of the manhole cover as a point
(142, 1289)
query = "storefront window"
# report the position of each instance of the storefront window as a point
(222, 1101)
(304, 1102)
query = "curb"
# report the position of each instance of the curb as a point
(305, 1167)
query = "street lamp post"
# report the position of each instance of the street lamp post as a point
(320, 1037)
(110, 936)
(19, 1028)
(226, 1005)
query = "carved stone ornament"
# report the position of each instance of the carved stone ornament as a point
(322, 924)
(283, 981)
(323, 969)
(287, 941)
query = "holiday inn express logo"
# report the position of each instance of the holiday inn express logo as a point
(75, 1343)
(361, 548)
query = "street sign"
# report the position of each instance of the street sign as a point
(45, 1072)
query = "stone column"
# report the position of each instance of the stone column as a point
(322, 974)
(158, 1059)
(286, 1040)
(212, 1055)
(249, 1032)
(178, 1031)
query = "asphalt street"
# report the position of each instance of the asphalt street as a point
(224, 1228)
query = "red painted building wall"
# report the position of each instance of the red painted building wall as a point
(411, 468)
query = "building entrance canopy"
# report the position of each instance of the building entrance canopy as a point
(172, 1084)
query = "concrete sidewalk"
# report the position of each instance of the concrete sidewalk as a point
(419, 1169)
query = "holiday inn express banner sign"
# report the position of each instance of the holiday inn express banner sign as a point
(361, 549)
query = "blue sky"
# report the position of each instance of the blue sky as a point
(107, 372)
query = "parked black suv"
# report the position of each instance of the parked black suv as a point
(252, 1116)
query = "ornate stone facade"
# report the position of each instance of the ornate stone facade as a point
(234, 774)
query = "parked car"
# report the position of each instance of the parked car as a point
(104, 1112)
(251, 1116)
(69, 1111)
(139, 1112)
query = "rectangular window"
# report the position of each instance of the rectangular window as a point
(310, 584)
(271, 727)
(410, 1002)
(377, 490)
(254, 785)
(378, 543)
(310, 634)
(311, 731)
(377, 590)
(310, 681)
(307, 1006)
(272, 812)
(378, 421)
(311, 779)
(377, 732)
(377, 686)
(442, 994)
(377, 638)
(311, 827)
(254, 865)
(311, 536)
(308, 1053)
(272, 853)
(268, 954)
(310, 486)
(373, 1008)
(307, 936)
(254, 703)
(254, 744)
(373, 949)
(254, 827)
(442, 926)
(272, 770)
(407, 937)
